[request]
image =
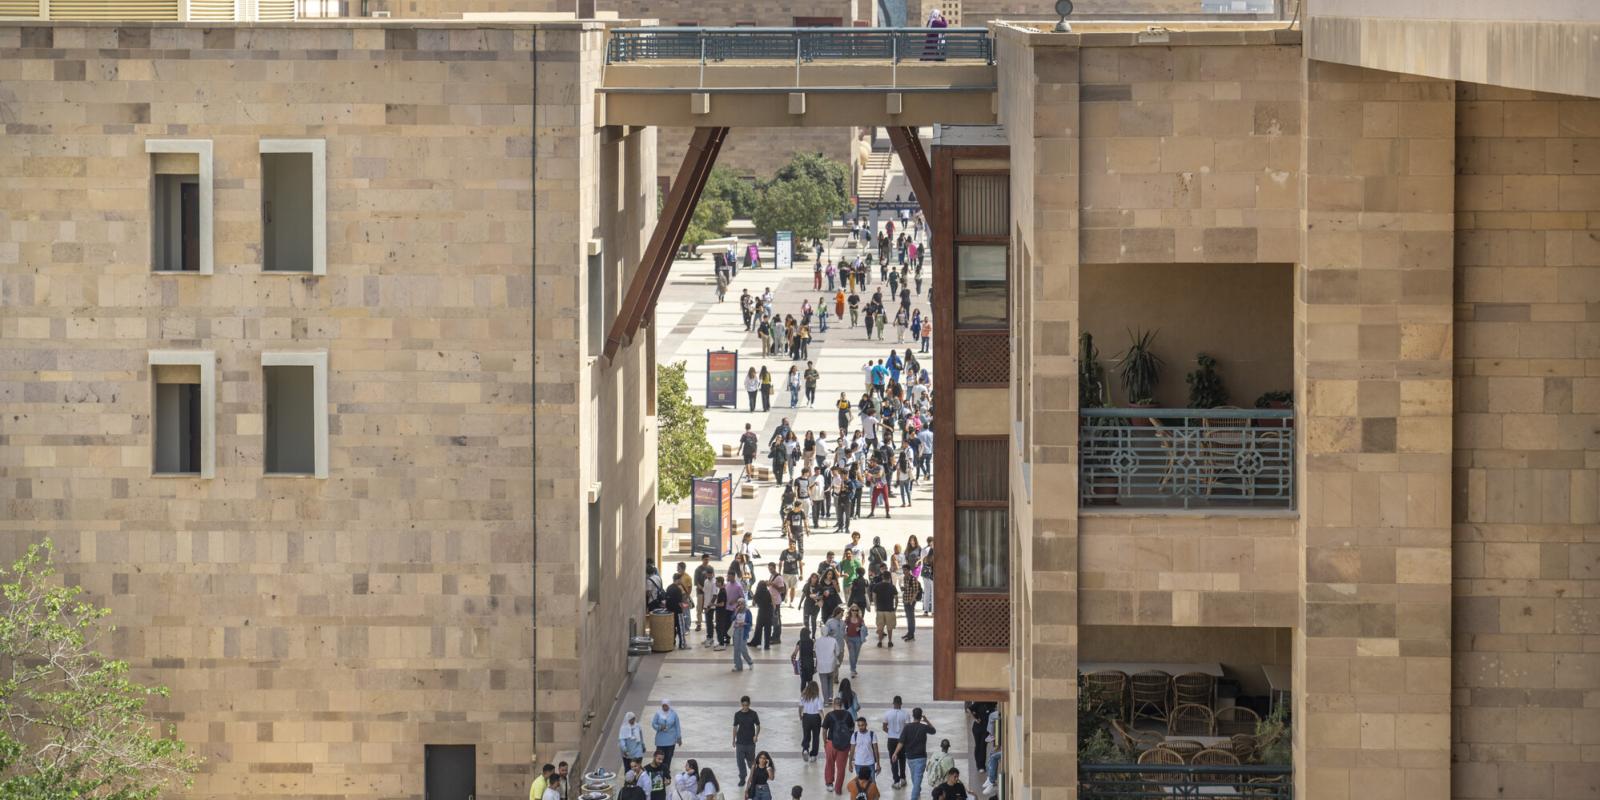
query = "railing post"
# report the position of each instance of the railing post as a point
(798, 37)
(702, 59)
(894, 62)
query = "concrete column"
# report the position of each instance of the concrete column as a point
(1373, 385)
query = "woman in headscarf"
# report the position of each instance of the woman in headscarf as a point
(669, 732)
(933, 48)
(631, 740)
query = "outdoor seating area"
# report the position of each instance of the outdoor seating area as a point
(1174, 723)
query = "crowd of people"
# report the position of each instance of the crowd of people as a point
(880, 451)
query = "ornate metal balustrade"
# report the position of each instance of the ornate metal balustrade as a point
(630, 45)
(1166, 782)
(1186, 458)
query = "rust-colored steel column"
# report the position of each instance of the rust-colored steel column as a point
(645, 287)
(915, 160)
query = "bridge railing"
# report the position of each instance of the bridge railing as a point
(801, 45)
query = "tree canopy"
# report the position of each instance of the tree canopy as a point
(822, 170)
(801, 205)
(683, 452)
(738, 193)
(73, 725)
(710, 219)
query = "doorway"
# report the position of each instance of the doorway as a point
(450, 772)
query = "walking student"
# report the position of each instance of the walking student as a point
(746, 732)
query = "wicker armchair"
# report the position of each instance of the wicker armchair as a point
(1161, 756)
(1150, 696)
(1212, 756)
(1194, 687)
(1134, 740)
(1107, 688)
(1187, 748)
(1236, 719)
(1244, 747)
(1190, 720)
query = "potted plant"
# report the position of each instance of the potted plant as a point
(1277, 400)
(1205, 385)
(1092, 394)
(1139, 370)
(1272, 737)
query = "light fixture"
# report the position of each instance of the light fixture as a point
(1064, 8)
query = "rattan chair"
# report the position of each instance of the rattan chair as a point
(1107, 687)
(1214, 757)
(1198, 688)
(1236, 719)
(1183, 747)
(1134, 740)
(1162, 756)
(1190, 719)
(1222, 442)
(1244, 747)
(1150, 696)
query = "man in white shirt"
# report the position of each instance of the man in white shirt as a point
(894, 721)
(864, 750)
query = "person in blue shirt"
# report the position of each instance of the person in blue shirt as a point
(894, 364)
(669, 733)
(880, 377)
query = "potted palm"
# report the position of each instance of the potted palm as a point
(1092, 394)
(1139, 369)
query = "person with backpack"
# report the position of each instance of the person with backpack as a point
(864, 750)
(939, 768)
(839, 727)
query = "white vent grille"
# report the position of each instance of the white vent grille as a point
(114, 10)
(275, 10)
(212, 10)
(25, 9)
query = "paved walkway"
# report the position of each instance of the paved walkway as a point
(701, 682)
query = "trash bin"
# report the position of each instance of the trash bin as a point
(663, 634)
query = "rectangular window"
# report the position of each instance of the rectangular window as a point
(180, 205)
(981, 286)
(294, 425)
(294, 229)
(450, 771)
(983, 559)
(596, 278)
(594, 552)
(182, 405)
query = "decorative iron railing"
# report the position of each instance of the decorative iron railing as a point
(1165, 782)
(1186, 458)
(800, 45)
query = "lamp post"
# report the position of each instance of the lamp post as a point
(1064, 8)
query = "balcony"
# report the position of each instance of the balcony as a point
(1168, 781)
(1162, 458)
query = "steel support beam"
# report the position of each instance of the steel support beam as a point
(651, 276)
(915, 161)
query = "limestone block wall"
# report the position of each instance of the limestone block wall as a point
(1373, 352)
(594, 449)
(1187, 570)
(1526, 480)
(317, 634)
(1191, 154)
(1039, 109)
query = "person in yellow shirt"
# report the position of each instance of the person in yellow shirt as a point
(536, 792)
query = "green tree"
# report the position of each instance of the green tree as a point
(740, 194)
(801, 205)
(822, 170)
(710, 219)
(73, 725)
(683, 452)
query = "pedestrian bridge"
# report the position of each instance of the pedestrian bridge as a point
(798, 77)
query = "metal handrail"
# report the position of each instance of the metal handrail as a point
(1186, 458)
(802, 45)
(1170, 781)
